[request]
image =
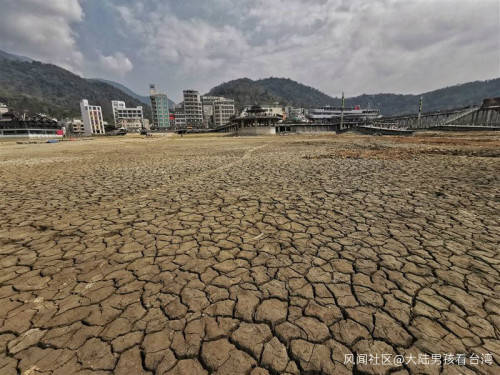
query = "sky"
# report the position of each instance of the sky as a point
(358, 46)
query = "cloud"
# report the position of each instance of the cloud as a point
(42, 30)
(45, 31)
(116, 65)
(359, 46)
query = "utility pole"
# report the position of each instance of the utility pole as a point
(342, 113)
(420, 112)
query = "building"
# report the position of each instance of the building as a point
(3, 109)
(223, 111)
(74, 126)
(16, 126)
(208, 103)
(217, 111)
(179, 117)
(268, 109)
(92, 118)
(332, 114)
(77, 127)
(208, 111)
(275, 109)
(159, 109)
(296, 114)
(129, 118)
(256, 120)
(193, 109)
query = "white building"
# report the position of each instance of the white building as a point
(270, 110)
(3, 109)
(274, 109)
(217, 111)
(92, 118)
(223, 111)
(193, 109)
(131, 119)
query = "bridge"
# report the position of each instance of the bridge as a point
(486, 116)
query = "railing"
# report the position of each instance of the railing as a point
(460, 115)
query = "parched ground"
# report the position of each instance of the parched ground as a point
(265, 255)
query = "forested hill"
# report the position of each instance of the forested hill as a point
(288, 92)
(45, 88)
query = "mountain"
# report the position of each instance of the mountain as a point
(46, 88)
(30, 85)
(126, 90)
(244, 91)
(471, 93)
(288, 92)
(10, 56)
(295, 93)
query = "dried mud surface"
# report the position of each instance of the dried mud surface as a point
(265, 255)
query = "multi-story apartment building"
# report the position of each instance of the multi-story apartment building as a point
(193, 109)
(92, 118)
(208, 103)
(180, 117)
(131, 119)
(159, 109)
(216, 111)
(208, 113)
(223, 111)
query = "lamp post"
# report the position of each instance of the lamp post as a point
(420, 112)
(342, 113)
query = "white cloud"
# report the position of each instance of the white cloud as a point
(360, 45)
(45, 30)
(42, 30)
(355, 45)
(194, 42)
(116, 65)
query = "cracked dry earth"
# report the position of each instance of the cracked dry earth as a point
(272, 255)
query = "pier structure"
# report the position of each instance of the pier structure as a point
(474, 117)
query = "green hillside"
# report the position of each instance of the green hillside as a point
(288, 92)
(244, 91)
(295, 93)
(45, 88)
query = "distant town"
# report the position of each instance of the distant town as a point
(207, 113)
(200, 112)
(195, 112)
